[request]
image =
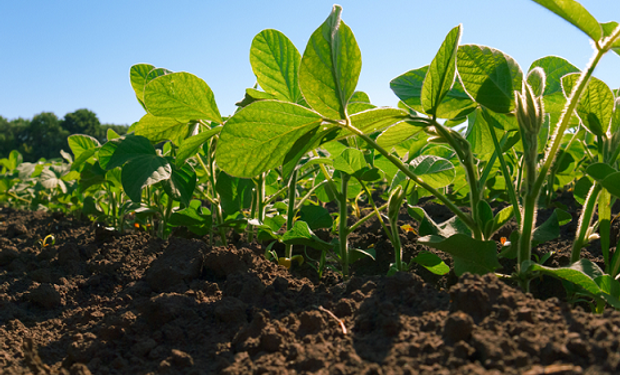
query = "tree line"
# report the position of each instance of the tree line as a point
(45, 134)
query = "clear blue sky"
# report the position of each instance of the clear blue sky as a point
(60, 56)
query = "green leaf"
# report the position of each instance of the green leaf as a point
(489, 76)
(301, 234)
(182, 183)
(359, 102)
(470, 255)
(456, 103)
(408, 87)
(431, 262)
(83, 147)
(608, 29)
(434, 170)
(80, 143)
(596, 104)
(350, 161)
(275, 62)
(137, 78)
(485, 213)
(160, 129)
(555, 68)
(330, 67)
(50, 178)
(576, 14)
(581, 190)
(579, 273)
(259, 136)
(111, 134)
(550, 229)
(599, 171)
(537, 80)
(190, 216)
(131, 147)
(612, 184)
(373, 120)
(501, 219)
(398, 133)
(190, 146)
(92, 174)
(478, 134)
(182, 96)
(141, 171)
(441, 73)
(316, 217)
(235, 193)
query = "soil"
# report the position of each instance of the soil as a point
(98, 302)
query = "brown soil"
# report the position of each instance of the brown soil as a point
(101, 303)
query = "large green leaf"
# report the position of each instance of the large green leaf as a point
(330, 67)
(83, 147)
(189, 147)
(301, 234)
(612, 184)
(441, 73)
(470, 255)
(235, 193)
(137, 78)
(489, 76)
(130, 147)
(141, 171)
(182, 96)
(275, 62)
(550, 229)
(555, 68)
(350, 161)
(259, 136)
(596, 103)
(160, 129)
(408, 88)
(398, 133)
(359, 102)
(316, 216)
(182, 183)
(576, 14)
(434, 170)
(579, 273)
(373, 120)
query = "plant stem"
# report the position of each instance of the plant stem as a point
(584, 222)
(509, 184)
(290, 215)
(366, 218)
(375, 211)
(467, 219)
(467, 161)
(343, 230)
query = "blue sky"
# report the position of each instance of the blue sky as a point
(60, 56)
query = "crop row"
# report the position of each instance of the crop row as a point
(472, 130)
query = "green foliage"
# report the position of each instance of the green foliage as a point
(304, 136)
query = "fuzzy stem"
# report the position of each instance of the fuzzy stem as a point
(584, 222)
(290, 216)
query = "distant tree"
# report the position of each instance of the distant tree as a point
(43, 138)
(82, 121)
(9, 134)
